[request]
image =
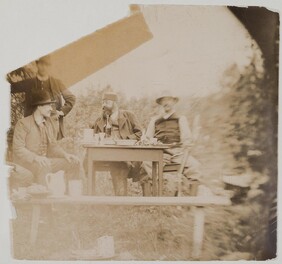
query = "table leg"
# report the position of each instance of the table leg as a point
(160, 170)
(89, 172)
(154, 178)
(34, 223)
(198, 235)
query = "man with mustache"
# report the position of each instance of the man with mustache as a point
(118, 124)
(170, 128)
(35, 146)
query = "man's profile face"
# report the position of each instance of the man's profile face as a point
(45, 110)
(43, 68)
(107, 106)
(168, 104)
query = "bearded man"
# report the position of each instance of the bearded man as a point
(117, 124)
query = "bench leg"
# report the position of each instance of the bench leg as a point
(198, 235)
(154, 178)
(34, 223)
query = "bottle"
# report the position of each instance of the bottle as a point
(108, 129)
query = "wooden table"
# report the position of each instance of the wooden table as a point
(127, 153)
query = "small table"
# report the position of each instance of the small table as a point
(127, 153)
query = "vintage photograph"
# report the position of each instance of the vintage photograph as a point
(153, 138)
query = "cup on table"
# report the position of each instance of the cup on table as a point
(75, 188)
(154, 141)
(88, 134)
(96, 138)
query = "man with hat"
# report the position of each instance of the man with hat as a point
(35, 144)
(54, 87)
(118, 124)
(170, 128)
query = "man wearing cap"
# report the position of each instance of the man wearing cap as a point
(170, 128)
(55, 89)
(35, 145)
(118, 124)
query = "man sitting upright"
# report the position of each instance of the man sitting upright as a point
(170, 128)
(118, 124)
(35, 143)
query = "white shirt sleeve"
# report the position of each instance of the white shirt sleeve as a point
(185, 132)
(150, 133)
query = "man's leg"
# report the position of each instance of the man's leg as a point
(38, 172)
(119, 172)
(192, 174)
(145, 178)
(193, 168)
(71, 169)
(20, 177)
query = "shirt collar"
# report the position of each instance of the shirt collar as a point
(42, 79)
(39, 120)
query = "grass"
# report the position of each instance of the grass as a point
(141, 232)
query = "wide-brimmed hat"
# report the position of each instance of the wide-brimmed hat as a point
(166, 94)
(110, 96)
(45, 59)
(41, 98)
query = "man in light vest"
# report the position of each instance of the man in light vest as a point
(170, 128)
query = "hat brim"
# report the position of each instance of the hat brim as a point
(159, 100)
(44, 102)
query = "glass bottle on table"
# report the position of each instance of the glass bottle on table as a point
(108, 128)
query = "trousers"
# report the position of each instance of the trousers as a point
(192, 169)
(119, 173)
(39, 173)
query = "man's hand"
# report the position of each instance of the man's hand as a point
(71, 158)
(42, 161)
(167, 158)
(60, 113)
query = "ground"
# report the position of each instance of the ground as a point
(139, 232)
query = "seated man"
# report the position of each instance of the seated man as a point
(35, 146)
(118, 124)
(170, 128)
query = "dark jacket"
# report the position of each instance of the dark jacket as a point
(129, 127)
(59, 93)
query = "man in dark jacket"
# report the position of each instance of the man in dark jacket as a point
(118, 124)
(55, 89)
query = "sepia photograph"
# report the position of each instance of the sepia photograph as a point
(152, 138)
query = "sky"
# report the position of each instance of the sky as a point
(190, 49)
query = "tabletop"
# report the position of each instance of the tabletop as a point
(156, 147)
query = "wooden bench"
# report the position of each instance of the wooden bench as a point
(199, 202)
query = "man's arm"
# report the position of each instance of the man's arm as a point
(150, 133)
(21, 86)
(69, 98)
(185, 132)
(19, 147)
(96, 127)
(136, 127)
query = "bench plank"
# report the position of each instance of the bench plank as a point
(124, 200)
